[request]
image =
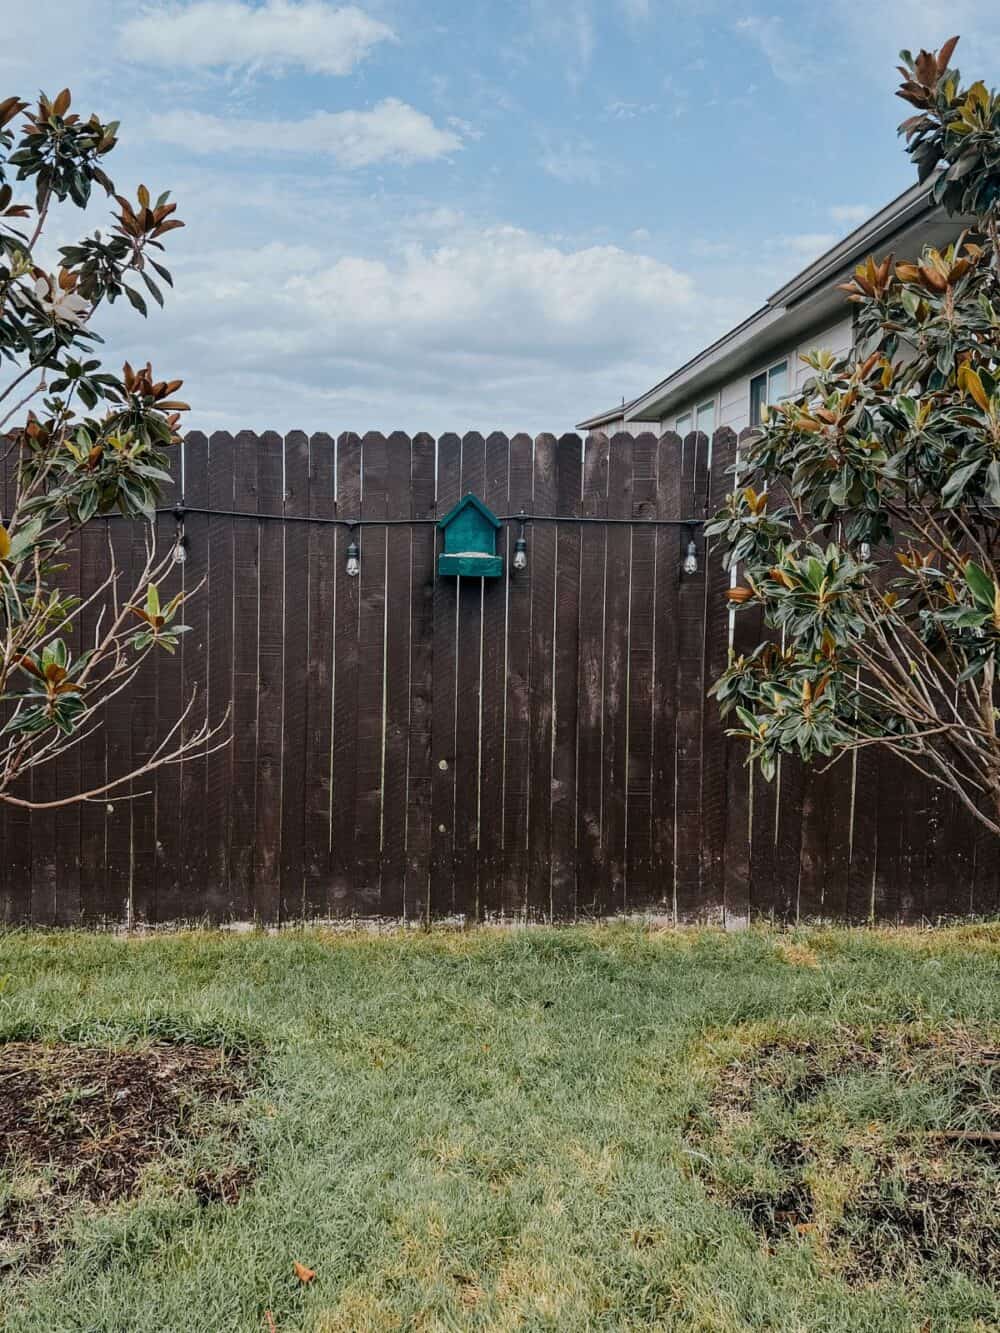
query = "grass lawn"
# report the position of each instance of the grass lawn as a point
(573, 1129)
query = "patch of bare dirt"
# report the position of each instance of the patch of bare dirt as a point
(783, 1142)
(83, 1124)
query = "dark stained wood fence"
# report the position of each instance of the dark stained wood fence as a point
(538, 745)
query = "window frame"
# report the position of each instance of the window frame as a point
(691, 414)
(766, 375)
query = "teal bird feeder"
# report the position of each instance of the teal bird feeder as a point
(470, 541)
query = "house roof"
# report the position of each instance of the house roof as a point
(466, 501)
(808, 300)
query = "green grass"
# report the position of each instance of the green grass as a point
(487, 1130)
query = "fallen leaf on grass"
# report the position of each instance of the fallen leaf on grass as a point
(302, 1273)
(272, 1327)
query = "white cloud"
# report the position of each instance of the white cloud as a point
(570, 27)
(621, 110)
(789, 60)
(809, 244)
(230, 34)
(500, 287)
(851, 215)
(392, 131)
(495, 326)
(571, 163)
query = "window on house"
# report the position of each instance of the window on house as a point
(701, 419)
(770, 386)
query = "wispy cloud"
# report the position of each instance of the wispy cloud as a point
(272, 37)
(807, 244)
(789, 60)
(851, 215)
(392, 131)
(619, 110)
(570, 27)
(572, 162)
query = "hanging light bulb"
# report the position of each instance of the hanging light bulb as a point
(865, 551)
(521, 547)
(353, 566)
(691, 559)
(180, 542)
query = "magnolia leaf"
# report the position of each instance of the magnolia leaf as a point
(981, 585)
(951, 491)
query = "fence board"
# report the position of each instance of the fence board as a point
(118, 822)
(142, 809)
(295, 603)
(592, 896)
(419, 737)
(320, 672)
(443, 737)
(468, 700)
(689, 688)
(246, 611)
(397, 680)
(542, 565)
(715, 748)
(667, 576)
(517, 698)
(345, 689)
(17, 822)
(495, 608)
(566, 686)
(218, 597)
(270, 670)
(67, 775)
(639, 691)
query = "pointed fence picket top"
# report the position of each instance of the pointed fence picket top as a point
(535, 745)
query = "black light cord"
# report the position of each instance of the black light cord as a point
(180, 511)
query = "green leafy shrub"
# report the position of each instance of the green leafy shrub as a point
(866, 523)
(87, 442)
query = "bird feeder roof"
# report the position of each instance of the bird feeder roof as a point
(463, 504)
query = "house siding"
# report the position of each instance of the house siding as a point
(732, 397)
(620, 425)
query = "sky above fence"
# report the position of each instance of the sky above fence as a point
(455, 213)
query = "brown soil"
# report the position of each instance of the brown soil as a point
(908, 1199)
(82, 1125)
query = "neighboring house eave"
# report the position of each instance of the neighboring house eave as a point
(605, 418)
(807, 303)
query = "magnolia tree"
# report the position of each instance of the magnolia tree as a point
(82, 443)
(867, 523)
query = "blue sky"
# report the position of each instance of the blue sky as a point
(478, 214)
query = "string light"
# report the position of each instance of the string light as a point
(180, 542)
(353, 566)
(521, 546)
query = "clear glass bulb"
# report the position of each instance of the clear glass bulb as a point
(865, 551)
(180, 551)
(353, 566)
(520, 554)
(691, 559)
